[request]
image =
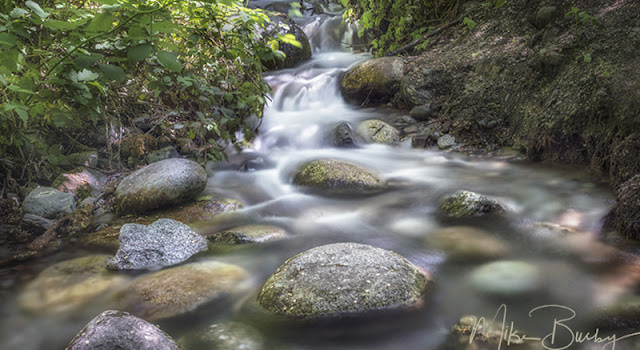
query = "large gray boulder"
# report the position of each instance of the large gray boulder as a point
(377, 80)
(469, 204)
(342, 278)
(337, 177)
(180, 290)
(117, 330)
(160, 184)
(69, 285)
(49, 203)
(165, 242)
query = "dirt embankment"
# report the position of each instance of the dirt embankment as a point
(561, 87)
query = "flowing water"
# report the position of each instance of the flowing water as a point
(306, 105)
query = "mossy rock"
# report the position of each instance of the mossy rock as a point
(248, 234)
(377, 131)
(341, 279)
(337, 178)
(627, 208)
(160, 184)
(377, 80)
(180, 290)
(469, 204)
(69, 285)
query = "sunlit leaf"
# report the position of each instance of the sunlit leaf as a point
(18, 12)
(36, 9)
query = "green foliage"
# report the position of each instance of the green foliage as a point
(581, 17)
(470, 23)
(395, 23)
(69, 65)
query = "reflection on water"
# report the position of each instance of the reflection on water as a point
(306, 106)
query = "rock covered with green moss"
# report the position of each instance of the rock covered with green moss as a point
(69, 285)
(337, 177)
(113, 330)
(377, 131)
(376, 80)
(342, 278)
(160, 184)
(469, 204)
(165, 242)
(180, 290)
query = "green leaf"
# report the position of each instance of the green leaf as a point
(87, 75)
(344, 3)
(101, 23)
(36, 9)
(500, 3)
(106, 2)
(113, 72)
(469, 23)
(163, 27)
(59, 25)
(18, 12)
(139, 52)
(170, 61)
(7, 40)
(84, 61)
(16, 88)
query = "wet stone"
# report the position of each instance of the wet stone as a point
(377, 131)
(506, 278)
(446, 141)
(180, 290)
(343, 278)
(469, 204)
(248, 234)
(165, 242)
(49, 203)
(225, 336)
(336, 177)
(117, 330)
(463, 243)
(69, 285)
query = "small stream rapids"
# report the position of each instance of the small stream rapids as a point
(305, 107)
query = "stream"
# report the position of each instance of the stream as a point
(306, 105)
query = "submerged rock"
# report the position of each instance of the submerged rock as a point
(466, 243)
(337, 177)
(160, 184)
(166, 242)
(49, 203)
(627, 208)
(506, 278)
(181, 289)
(68, 285)
(343, 136)
(376, 80)
(225, 336)
(35, 223)
(467, 204)
(248, 234)
(342, 278)
(377, 131)
(117, 330)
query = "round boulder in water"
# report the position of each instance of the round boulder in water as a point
(469, 204)
(165, 242)
(181, 289)
(160, 184)
(377, 131)
(337, 177)
(376, 80)
(49, 203)
(112, 330)
(466, 243)
(506, 278)
(68, 285)
(342, 278)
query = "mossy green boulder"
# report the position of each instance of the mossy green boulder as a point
(342, 278)
(336, 178)
(376, 80)
(164, 183)
(469, 204)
